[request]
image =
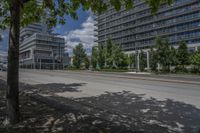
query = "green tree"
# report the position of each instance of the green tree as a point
(153, 61)
(79, 55)
(131, 60)
(17, 13)
(162, 52)
(101, 56)
(195, 60)
(87, 62)
(115, 58)
(173, 56)
(124, 61)
(183, 55)
(143, 61)
(94, 57)
(117, 55)
(109, 53)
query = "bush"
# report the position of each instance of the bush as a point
(180, 69)
(195, 70)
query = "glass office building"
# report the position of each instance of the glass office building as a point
(137, 28)
(39, 49)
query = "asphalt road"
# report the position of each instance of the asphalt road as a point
(143, 103)
(95, 84)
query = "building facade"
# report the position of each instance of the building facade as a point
(39, 49)
(137, 28)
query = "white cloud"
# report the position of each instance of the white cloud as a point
(84, 35)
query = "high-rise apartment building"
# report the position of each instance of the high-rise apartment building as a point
(39, 48)
(137, 28)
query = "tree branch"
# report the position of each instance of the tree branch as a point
(24, 1)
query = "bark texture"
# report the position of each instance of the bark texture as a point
(12, 94)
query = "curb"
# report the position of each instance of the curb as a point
(136, 78)
(142, 78)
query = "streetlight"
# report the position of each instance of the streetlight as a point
(137, 65)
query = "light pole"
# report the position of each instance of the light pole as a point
(137, 59)
(137, 65)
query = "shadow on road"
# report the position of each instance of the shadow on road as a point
(52, 88)
(149, 115)
(119, 112)
(137, 113)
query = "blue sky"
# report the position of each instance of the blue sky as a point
(74, 32)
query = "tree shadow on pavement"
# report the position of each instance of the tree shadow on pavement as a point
(52, 88)
(39, 117)
(137, 113)
(117, 112)
(149, 115)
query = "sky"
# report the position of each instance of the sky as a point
(74, 32)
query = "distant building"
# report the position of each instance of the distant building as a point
(66, 60)
(39, 49)
(137, 28)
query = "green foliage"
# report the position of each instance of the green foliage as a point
(117, 55)
(173, 56)
(143, 61)
(33, 11)
(79, 55)
(155, 4)
(195, 59)
(115, 58)
(163, 53)
(109, 57)
(123, 61)
(183, 54)
(94, 57)
(153, 60)
(87, 62)
(101, 56)
(131, 60)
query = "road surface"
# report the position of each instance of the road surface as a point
(150, 104)
(94, 84)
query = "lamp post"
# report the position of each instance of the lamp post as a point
(137, 59)
(137, 65)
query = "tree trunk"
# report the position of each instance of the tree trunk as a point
(12, 94)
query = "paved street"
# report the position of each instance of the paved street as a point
(96, 84)
(129, 100)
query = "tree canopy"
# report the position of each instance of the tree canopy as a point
(94, 57)
(56, 10)
(183, 54)
(79, 55)
(195, 60)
